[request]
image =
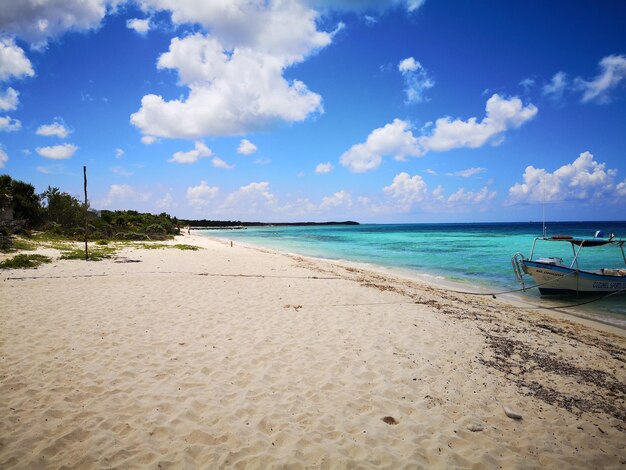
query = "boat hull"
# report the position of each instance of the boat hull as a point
(561, 280)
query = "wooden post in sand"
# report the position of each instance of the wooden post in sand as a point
(86, 223)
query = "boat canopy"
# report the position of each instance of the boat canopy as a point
(587, 242)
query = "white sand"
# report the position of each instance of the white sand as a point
(241, 357)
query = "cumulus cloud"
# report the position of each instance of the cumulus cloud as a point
(394, 139)
(246, 147)
(56, 129)
(229, 94)
(612, 74)
(397, 139)
(407, 190)
(501, 115)
(57, 152)
(141, 26)
(9, 99)
(249, 199)
(235, 73)
(582, 180)
(8, 124)
(192, 156)
(123, 194)
(416, 80)
(36, 21)
(340, 198)
(4, 158)
(148, 139)
(13, 60)
(463, 197)
(557, 86)
(202, 194)
(219, 163)
(323, 168)
(119, 153)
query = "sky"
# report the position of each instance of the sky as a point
(398, 111)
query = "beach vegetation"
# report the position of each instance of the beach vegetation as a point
(24, 261)
(62, 216)
(93, 255)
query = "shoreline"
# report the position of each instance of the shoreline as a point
(245, 357)
(441, 282)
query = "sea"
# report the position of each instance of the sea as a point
(466, 255)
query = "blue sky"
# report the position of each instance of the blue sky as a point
(294, 110)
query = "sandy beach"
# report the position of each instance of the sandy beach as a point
(239, 357)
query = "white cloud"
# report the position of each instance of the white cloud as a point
(324, 168)
(13, 61)
(397, 139)
(219, 163)
(141, 26)
(462, 197)
(123, 194)
(582, 180)
(501, 115)
(36, 21)
(249, 199)
(9, 100)
(57, 152)
(202, 194)
(246, 147)
(50, 169)
(166, 202)
(235, 73)
(393, 139)
(557, 86)
(340, 198)
(4, 158)
(527, 84)
(8, 124)
(621, 189)
(416, 80)
(148, 139)
(56, 129)
(229, 94)
(407, 190)
(612, 74)
(468, 172)
(118, 170)
(119, 153)
(192, 156)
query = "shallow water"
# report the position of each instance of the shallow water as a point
(468, 253)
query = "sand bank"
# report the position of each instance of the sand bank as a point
(246, 358)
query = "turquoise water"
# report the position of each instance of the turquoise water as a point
(477, 254)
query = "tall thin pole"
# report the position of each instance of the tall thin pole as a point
(86, 224)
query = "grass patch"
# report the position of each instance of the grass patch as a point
(186, 247)
(97, 254)
(24, 261)
(163, 246)
(20, 244)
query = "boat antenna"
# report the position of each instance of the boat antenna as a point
(543, 207)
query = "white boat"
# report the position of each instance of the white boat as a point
(552, 277)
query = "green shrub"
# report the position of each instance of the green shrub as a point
(24, 261)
